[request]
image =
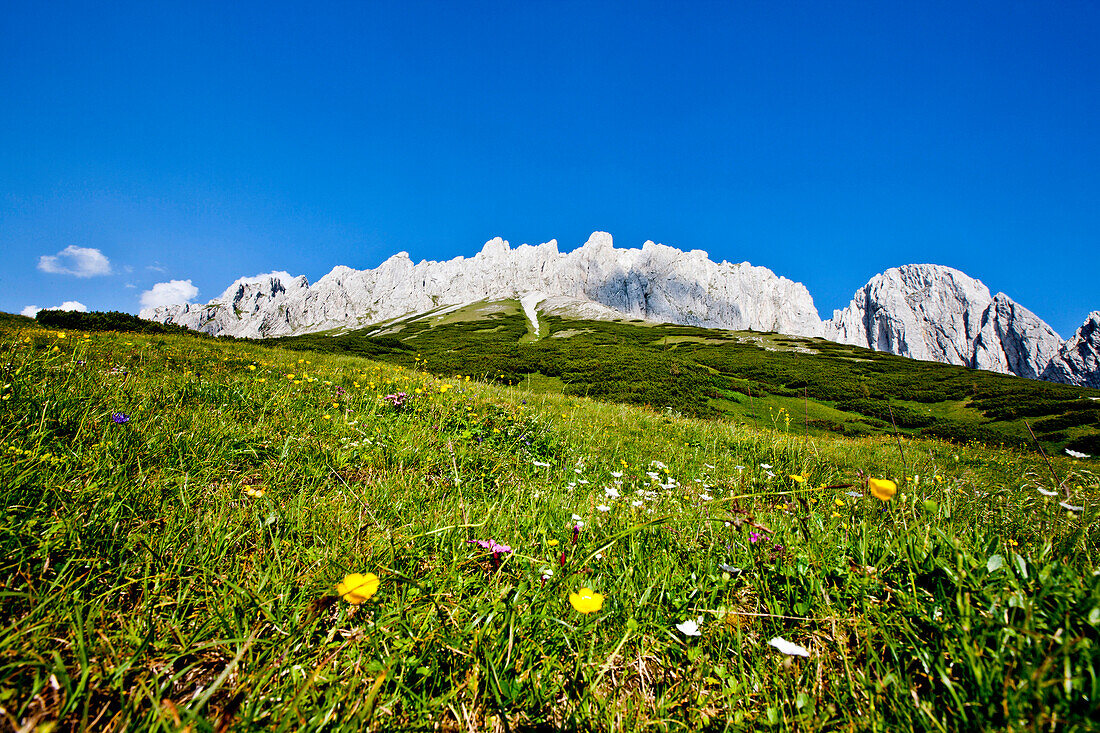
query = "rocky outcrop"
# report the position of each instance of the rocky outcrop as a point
(1078, 360)
(655, 283)
(936, 313)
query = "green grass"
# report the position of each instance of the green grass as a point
(699, 372)
(145, 586)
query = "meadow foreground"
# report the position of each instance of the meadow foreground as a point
(222, 536)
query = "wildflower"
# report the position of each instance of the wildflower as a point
(637, 502)
(552, 543)
(789, 648)
(854, 494)
(690, 627)
(754, 537)
(540, 464)
(881, 488)
(611, 493)
(356, 588)
(1076, 454)
(120, 418)
(706, 497)
(765, 466)
(729, 569)
(616, 474)
(586, 601)
(603, 508)
(839, 501)
(254, 493)
(798, 478)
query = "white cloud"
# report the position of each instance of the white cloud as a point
(69, 305)
(173, 292)
(78, 261)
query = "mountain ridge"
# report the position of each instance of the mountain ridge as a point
(924, 311)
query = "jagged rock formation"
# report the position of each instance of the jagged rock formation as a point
(1078, 361)
(655, 283)
(937, 313)
(925, 312)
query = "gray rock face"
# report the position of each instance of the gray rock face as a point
(1013, 340)
(655, 283)
(1078, 361)
(936, 313)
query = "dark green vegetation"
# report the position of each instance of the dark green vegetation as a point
(748, 377)
(108, 321)
(177, 513)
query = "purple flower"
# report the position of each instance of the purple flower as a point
(754, 537)
(120, 418)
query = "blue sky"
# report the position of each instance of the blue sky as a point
(827, 141)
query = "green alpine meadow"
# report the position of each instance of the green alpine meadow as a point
(456, 523)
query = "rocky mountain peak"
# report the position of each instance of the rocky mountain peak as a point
(1078, 359)
(938, 313)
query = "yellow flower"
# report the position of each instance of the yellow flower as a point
(356, 588)
(552, 543)
(326, 417)
(251, 367)
(586, 601)
(798, 478)
(883, 489)
(839, 501)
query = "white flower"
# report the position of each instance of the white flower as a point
(547, 573)
(658, 465)
(789, 648)
(652, 476)
(576, 517)
(765, 466)
(705, 497)
(611, 493)
(604, 508)
(709, 466)
(1071, 507)
(582, 481)
(854, 494)
(1044, 492)
(690, 627)
(616, 474)
(638, 502)
(738, 468)
(578, 471)
(540, 464)
(728, 568)
(1075, 454)
(770, 474)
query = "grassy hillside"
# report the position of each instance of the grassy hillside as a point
(179, 514)
(805, 385)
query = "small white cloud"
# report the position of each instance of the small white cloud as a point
(173, 292)
(156, 267)
(69, 305)
(78, 261)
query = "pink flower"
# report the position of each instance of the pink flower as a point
(754, 537)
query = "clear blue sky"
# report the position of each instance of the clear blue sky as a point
(827, 141)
